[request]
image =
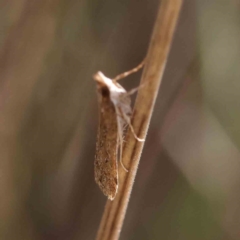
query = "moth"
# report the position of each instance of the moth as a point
(114, 115)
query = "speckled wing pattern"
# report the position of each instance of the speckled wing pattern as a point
(105, 165)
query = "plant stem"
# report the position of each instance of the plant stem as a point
(114, 213)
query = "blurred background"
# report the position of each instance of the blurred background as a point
(187, 185)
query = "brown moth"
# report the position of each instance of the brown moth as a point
(114, 115)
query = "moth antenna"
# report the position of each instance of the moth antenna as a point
(127, 73)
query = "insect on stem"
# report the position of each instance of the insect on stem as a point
(114, 114)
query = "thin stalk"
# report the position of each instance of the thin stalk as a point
(114, 213)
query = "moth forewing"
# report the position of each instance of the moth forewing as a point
(106, 165)
(114, 114)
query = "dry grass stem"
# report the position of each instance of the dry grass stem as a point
(114, 213)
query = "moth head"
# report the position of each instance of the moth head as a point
(99, 77)
(101, 84)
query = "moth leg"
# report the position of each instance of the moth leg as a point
(121, 147)
(127, 73)
(132, 91)
(127, 119)
(132, 130)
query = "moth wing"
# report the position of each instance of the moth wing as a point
(123, 107)
(105, 166)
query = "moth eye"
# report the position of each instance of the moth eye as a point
(105, 92)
